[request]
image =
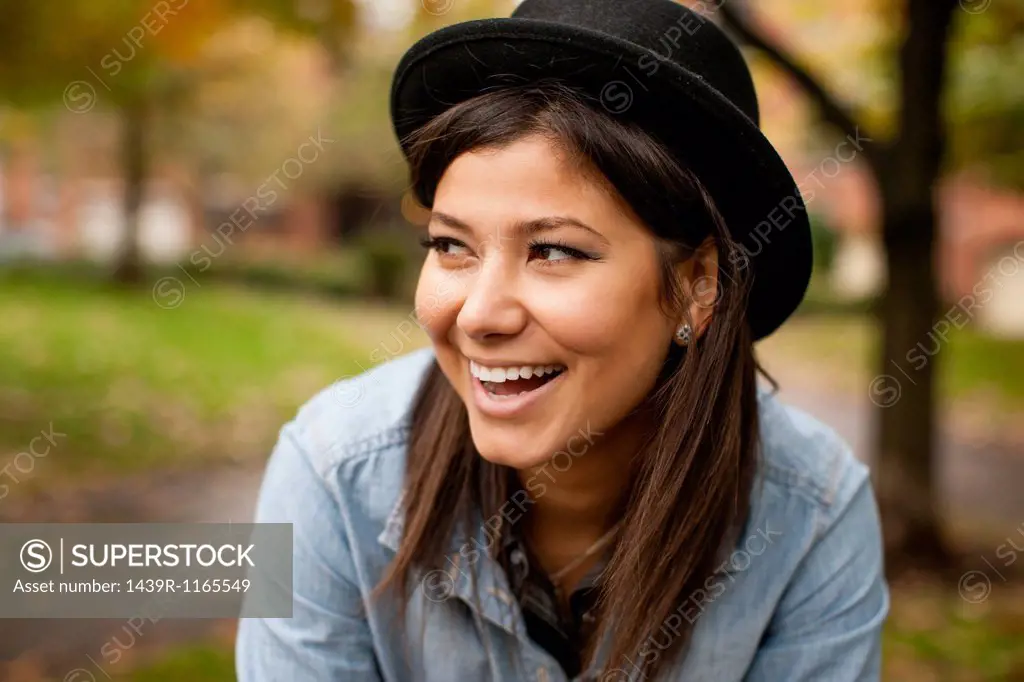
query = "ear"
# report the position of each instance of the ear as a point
(698, 278)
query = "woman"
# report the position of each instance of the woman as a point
(581, 479)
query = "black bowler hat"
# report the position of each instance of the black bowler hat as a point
(655, 62)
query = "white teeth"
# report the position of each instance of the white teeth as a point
(502, 374)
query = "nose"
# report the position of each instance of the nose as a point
(492, 307)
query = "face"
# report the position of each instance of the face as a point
(542, 297)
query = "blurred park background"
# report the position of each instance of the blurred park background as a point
(203, 222)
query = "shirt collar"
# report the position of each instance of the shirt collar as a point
(493, 598)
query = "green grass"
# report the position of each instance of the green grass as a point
(933, 634)
(202, 663)
(133, 385)
(980, 364)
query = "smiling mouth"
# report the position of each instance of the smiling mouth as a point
(504, 383)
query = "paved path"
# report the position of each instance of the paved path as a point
(982, 482)
(70, 650)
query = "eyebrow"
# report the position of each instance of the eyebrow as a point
(522, 228)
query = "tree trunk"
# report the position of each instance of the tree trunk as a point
(904, 390)
(911, 348)
(128, 266)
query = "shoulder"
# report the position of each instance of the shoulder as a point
(361, 414)
(812, 513)
(341, 459)
(820, 582)
(803, 457)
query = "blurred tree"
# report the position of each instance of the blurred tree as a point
(906, 167)
(851, 44)
(986, 93)
(138, 57)
(371, 174)
(229, 127)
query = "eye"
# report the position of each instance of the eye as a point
(552, 252)
(446, 246)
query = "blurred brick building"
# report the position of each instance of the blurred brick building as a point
(981, 243)
(79, 215)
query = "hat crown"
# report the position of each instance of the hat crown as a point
(668, 31)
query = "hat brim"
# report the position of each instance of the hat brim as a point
(751, 185)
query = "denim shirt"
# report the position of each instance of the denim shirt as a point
(802, 597)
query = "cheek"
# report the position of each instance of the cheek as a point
(618, 337)
(436, 302)
(604, 315)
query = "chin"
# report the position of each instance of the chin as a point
(515, 451)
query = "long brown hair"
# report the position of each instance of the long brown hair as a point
(690, 492)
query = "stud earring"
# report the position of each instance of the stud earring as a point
(684, 334)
